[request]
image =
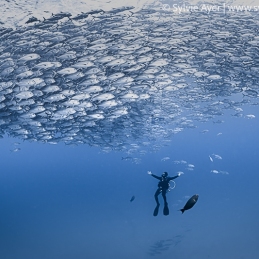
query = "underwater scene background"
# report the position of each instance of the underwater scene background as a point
(95, 95)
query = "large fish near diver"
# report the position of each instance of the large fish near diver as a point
(190, 203)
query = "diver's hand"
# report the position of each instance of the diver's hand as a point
(180, 173)
(149, 172)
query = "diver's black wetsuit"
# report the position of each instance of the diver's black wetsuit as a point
(163, 186)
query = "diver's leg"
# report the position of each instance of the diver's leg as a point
(157, 202)
(164, 196)
(158, 191)
(166, 209)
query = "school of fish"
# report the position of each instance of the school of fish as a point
(121, 78)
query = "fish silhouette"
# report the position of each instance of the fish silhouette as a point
(190, 203)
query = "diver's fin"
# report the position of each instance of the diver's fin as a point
(156, 210)
(166, 210)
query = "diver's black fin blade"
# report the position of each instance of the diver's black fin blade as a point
(156, 211)
(166, 210)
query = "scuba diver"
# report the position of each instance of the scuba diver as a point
(163, 186)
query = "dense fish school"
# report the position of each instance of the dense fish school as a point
(124, 78)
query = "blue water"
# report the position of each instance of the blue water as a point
(61, 201)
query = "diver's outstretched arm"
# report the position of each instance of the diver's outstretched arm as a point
(157, 177)
(173, 177)
(179, 174)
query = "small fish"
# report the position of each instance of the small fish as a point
(24, 95)
(132, 198)
(103, 97)
(218, 121)
(15, 150)
(250, 116)
(190, 203)
(165, 158)
(127, 158)
(180, 162)
(223, 172)
(67, 71)
(211, 159)
(32, 19)
(217, 156)
(129, 96)
(30, 57)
